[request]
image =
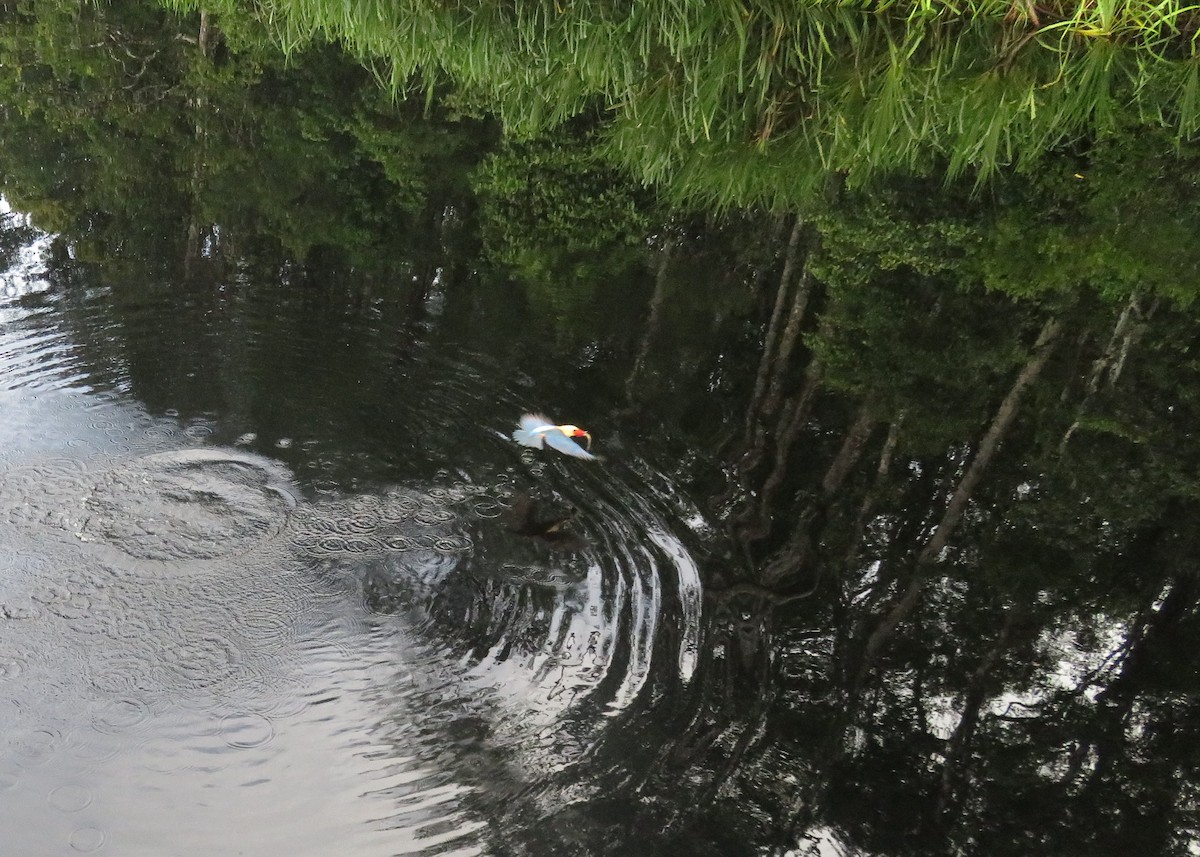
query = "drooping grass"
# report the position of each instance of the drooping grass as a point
(725, 99)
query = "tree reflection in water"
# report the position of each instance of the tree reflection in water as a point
(944, 437)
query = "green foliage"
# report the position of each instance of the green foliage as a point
(1119, 222)
(561, 219)
(745, 103)
(120, 125)
(913, 224)
(557, 191)
(98, 88)
(904, 325)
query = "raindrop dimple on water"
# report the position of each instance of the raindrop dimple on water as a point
(87, 839)
(36, 747)
(246, 731)
(198, 431)
(121, 714)
(71, 797)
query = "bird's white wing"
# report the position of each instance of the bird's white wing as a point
(565, 445)
(525, 434)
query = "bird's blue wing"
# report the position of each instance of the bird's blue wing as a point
(565, 445)
(525, 436)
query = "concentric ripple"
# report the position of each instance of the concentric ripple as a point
(197, 656)
(396, 521)
(178, 508)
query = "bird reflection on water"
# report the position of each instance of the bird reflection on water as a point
(525, 518)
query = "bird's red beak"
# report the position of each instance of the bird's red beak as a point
(581, 433)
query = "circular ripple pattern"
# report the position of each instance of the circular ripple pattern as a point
(188, 506)
(395, 522)
(195, 619)
(119, 715)
(87, 839)
(246, 731)
(145, 580)
(71, 797)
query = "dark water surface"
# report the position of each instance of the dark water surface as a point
(296, 622)
(261, 593)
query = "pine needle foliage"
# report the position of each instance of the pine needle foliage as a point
(756, 101)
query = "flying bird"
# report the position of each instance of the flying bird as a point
(537, 431)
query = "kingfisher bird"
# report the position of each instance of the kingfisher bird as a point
(537, 431)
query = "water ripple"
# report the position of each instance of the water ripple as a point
(198, 620)
(71, 797)
(87, 839)
(247, 731)
(185, 507)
